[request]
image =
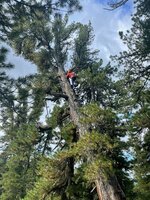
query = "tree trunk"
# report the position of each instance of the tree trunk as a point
(109, 189)
(106, 189)
(73, 104)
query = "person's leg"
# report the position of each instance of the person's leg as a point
(74, 82)
(71, 82)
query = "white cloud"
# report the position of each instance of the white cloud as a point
(106, 26)
(22, 67)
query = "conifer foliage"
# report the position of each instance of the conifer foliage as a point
(136, 80)
(79, 153)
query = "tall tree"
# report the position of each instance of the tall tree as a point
(5, 97)
(136, 73)
(19, 139)
(135, 60)
(44, 40)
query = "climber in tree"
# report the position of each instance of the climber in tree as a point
(71, 76)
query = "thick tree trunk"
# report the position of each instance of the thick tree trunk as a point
(73, 104)
(106, 189)
(109, 189)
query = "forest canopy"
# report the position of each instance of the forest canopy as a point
(94, 142)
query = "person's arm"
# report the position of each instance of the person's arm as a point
(67, 75)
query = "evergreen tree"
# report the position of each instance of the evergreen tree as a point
(89, 138)
(140, 139)
(135, 60)
(136, 84)
(19, 140)
(5, 97)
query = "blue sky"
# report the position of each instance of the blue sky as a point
(106, 26)
(22, 67)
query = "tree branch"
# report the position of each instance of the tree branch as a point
(116, 5)
(56, 96)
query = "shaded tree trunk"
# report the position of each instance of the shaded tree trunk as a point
(106, 189)
(109, 189)
(73, 104)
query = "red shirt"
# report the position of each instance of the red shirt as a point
(70, 74)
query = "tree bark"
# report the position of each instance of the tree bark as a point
(73, 104)
(106, 189)
(109, 189)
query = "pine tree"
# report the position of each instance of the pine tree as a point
(5, 97)
(136, 83)
(19, 140)
(141, 149)
(45, 40)
(135, 60)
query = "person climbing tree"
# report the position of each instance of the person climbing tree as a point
(71, 76)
